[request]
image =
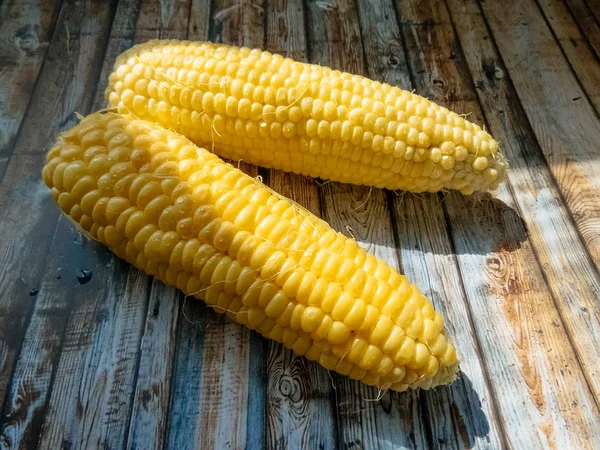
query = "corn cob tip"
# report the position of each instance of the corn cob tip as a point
(180, 213)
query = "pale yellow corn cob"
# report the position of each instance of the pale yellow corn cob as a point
(183, 215)
(276, 112)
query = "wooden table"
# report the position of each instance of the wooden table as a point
(123, 361)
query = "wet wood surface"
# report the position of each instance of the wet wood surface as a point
(122, 361)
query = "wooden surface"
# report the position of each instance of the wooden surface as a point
(126, 362)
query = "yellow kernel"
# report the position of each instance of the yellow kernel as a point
(480, 163)
(420, 356)
(338, 333)
(461, 153)
(394, 340)
(406, 352)
(311, 319)
(370, 358)
(342, 306)
(357, 314)
(449, 357)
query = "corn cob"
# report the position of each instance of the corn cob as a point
(180, 213)
(278, 113)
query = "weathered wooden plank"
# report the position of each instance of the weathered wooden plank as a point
(590, 28)
(334, 40)
(25, 31)
(229, 386)
(541, 392)
(462, 415)
(238, 22)
(91, 399)
(22, 253)
(187, 393)
(163, 20)
(571, 275)
(528, 353)
(27, 241)
(594, 7)
(571, 39)
(299, 408)
(286, 31)
(563, 120)
(35, 369)
(45, 364)
(199, 20)
(148, 427)
(71, 66)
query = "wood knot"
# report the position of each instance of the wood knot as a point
(393, 61)
(494, 263)
(26, 40)
(288, 387)
(438, 83)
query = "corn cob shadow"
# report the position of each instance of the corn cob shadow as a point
(493, 226)
(181, 214)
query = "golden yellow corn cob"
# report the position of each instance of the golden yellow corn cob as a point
(276, 112)
(183, 215)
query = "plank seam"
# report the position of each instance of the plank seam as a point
(511, 189)
(172, 377)
(596, 19)
(138, 357)
(581, 30)
(566, 58)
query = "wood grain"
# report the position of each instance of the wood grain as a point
(299, 406)
(90, 403)
(186, 391)
(25, 31)
(594, 7)
(580, 55)
(462, 415)
(3, 164)
(22, 253)
(149, 414)
(334, 40)
(58, 327)
(24, 249)
(163, 20)
(584, 16)
(572, 276)
(72, 65)
(508, 296)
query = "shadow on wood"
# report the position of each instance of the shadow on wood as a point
(461, 406)
(495, 226)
